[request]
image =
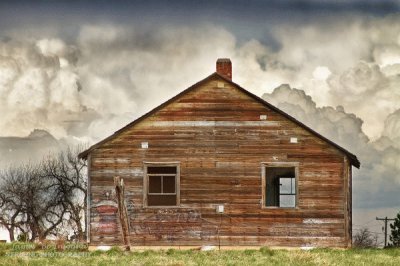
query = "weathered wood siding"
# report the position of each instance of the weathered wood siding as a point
(216, 135)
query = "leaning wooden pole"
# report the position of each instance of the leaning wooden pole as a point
(123, 215)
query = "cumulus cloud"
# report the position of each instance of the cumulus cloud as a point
(334, 123)
(122, 71)
(110, 70)
(37, 91)
(377, 183)
(392, 128)
(351, 62)
(131, 71)
(346, 73)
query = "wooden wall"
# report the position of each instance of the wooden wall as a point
(214, 131)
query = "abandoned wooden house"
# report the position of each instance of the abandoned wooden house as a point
(217, 165)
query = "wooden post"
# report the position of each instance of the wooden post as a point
(123, 215)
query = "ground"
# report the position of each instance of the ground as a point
(11, 254)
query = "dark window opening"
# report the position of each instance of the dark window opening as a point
(280, 187)
(161, 185)
(161, 169)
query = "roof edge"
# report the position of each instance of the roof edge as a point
(84, 154)
(352, 158)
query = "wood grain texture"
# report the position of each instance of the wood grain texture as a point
(217, 137)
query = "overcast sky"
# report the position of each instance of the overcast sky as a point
(82, 69)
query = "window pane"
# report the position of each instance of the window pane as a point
(285, 185)
(293, 185)
(168, 184)
(287, 201)
(161, 200)
(161, 170)
(154, 184)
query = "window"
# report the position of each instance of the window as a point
(279, 185)
(287, 191)
(161, 185)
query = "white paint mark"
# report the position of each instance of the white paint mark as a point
(145, 145)
(321, 221)
(105, 203)
(122, 160)
(293, 140)
(214, 123)
(137, 171)
(208, 248)
(103, 248)
(263, 117)
(119, 171)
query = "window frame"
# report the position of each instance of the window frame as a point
(146, 183)
(162, 184)
(264, 166)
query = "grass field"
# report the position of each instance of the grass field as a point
(11, 254)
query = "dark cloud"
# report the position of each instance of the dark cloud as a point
(246, 19)
(82, 69)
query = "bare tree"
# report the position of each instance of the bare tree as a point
(365, 239)
(29, 193)
(46, 198)
(11, 208)
(68, 175)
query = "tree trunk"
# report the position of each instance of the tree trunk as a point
(81, 235)
(11, 233)
(85, 233)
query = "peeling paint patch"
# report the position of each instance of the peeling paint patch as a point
(322, 221)
(214, 123)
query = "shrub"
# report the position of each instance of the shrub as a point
(170, 251)
(114, 251)
(365, 239)
(23, 237)
(266, 251)
(395, 232)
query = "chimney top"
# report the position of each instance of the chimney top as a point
(224, 67)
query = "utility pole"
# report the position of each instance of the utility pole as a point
(386, 223)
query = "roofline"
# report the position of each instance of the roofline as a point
(352, 158)
(84, 154)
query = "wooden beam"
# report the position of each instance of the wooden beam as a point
(123, 215)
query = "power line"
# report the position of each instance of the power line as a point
(361, 229)
(386, 223)
(370, 221)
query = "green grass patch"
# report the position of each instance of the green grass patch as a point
(20, 254)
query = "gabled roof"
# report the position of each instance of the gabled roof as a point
(352, 158)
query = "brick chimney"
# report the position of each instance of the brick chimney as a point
(224, 67)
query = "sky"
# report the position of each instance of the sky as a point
(80, 70)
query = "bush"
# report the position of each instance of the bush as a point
(395, 232)
(249, 252)
(114, 251)
(170, 251)
(23, 237)
(266, 251)
(365, 239)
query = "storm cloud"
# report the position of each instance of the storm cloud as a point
(343, 77)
